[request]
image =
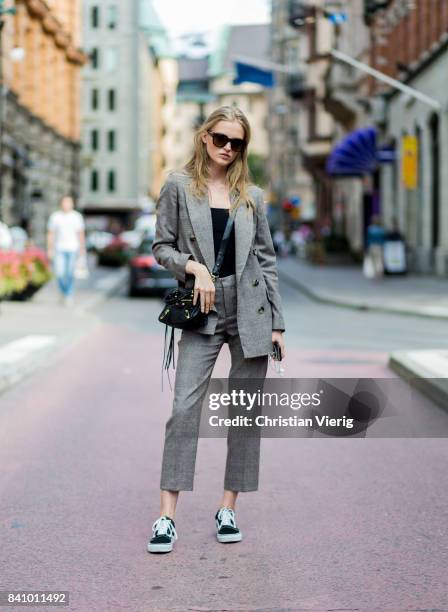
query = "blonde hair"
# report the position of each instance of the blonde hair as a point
(237, 176)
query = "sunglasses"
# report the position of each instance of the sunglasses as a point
(220, 141)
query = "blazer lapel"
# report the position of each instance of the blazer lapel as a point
(201, 221)
(243, 236)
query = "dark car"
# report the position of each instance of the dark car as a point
(146, 275)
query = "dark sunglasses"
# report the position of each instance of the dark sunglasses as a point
(220, 141)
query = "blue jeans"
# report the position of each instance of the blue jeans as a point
(64, 268)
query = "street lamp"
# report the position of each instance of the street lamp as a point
(3, 11)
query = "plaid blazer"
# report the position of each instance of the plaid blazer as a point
(184, 230)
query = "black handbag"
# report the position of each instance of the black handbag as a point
(180, 312)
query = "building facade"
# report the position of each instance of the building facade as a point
(301, 128)
(117, 112)
(40, 152)
(407, 41)
(410, 42)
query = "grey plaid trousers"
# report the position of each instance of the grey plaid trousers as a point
(197, 354)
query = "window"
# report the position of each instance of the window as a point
(111, 140)
(95, 57)
(94, 180)
(111, 180)
(111, 99)
(94, 140)
(110, 59)
(94, 99)
(112, 16)
(94, 17)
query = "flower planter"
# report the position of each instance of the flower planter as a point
(24, 294)
(23, 273)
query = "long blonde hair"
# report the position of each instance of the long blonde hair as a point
(237, 176)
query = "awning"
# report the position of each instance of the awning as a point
(253, 74)
(358, 154)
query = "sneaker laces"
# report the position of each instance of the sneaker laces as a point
(227, 517)
(163, 526)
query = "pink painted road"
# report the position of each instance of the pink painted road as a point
(336, 524)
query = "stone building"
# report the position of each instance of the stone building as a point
(40, 111)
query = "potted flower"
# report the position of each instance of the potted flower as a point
(13, 276)
(37, 268)
(22, 274)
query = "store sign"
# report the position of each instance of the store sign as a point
(409, 158)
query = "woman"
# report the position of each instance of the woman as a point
(243, 306)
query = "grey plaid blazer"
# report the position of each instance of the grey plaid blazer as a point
(184, 230)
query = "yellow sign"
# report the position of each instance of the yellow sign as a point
(295, 212)
(410, 162)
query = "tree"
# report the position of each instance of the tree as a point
(257, 168)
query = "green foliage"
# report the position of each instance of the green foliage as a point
(257, 168)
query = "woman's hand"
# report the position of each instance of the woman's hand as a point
(277, 336)
(204, 286)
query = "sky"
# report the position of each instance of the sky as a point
(183, 16)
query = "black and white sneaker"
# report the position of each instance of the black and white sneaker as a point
(226, 526)
(163, 535)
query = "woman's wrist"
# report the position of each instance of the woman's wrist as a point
(193, 267)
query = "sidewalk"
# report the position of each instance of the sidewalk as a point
(416, 295)
(411, 295)
(33, 331)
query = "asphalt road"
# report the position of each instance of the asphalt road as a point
(353, 524)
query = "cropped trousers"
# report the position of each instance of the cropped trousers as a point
(197, 354)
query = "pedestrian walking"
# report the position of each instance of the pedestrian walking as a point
(243, 305)
(374, 264)
(65, 244)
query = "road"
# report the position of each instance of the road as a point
(358, 524)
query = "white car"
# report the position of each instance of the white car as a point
(132, 238)
(97, 240)
(146, 224)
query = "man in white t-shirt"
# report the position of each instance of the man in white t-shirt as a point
(65, 242)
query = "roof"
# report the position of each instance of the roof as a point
(192, 69)
(251, 40)
(156, 33)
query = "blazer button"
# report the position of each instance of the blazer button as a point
(254, 251)
(261, 309)
(193, 237)
(255, 282)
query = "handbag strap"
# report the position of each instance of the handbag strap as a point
(223, 246)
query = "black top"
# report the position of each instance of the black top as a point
(219, 220)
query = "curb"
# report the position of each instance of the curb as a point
(30, 364)
(421, 378)
(363, 306)
(111, 287)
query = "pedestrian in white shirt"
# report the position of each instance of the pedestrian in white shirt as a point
(65, 243)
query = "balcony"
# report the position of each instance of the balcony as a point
(296, 86)
(373, 6)
(299, 12)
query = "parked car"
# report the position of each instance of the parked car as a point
(145, 274)
(116, 253)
